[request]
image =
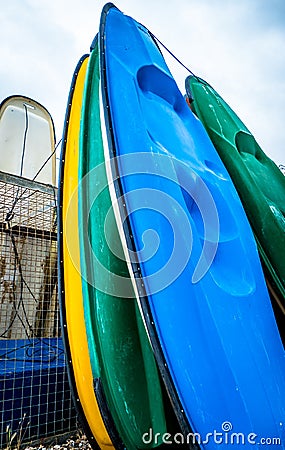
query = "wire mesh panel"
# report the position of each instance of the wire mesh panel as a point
(34, 392)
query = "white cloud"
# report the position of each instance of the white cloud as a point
(236, 46)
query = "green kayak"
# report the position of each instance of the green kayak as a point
(126, 379)
(258, 180)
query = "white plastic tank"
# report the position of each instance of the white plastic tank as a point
(27, 140)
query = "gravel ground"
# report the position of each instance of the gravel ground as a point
(77, 441)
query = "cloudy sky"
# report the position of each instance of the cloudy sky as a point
(238, 46)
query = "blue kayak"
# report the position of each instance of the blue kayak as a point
(190, 251)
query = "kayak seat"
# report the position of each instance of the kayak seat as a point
(206, 202)
(154, 82)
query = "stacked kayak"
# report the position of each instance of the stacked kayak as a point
(164, 305)
(112, 370)
(124, 369)
(70, 281)
(259, 182)
(213, 331)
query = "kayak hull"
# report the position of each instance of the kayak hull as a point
(121, 356)
(70, 282)
(259, 182)
(191, 251)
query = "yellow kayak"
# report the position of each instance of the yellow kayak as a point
(71, 302)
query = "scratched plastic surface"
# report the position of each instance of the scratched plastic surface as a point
(216, 329)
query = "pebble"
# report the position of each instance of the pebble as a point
(78, 441)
